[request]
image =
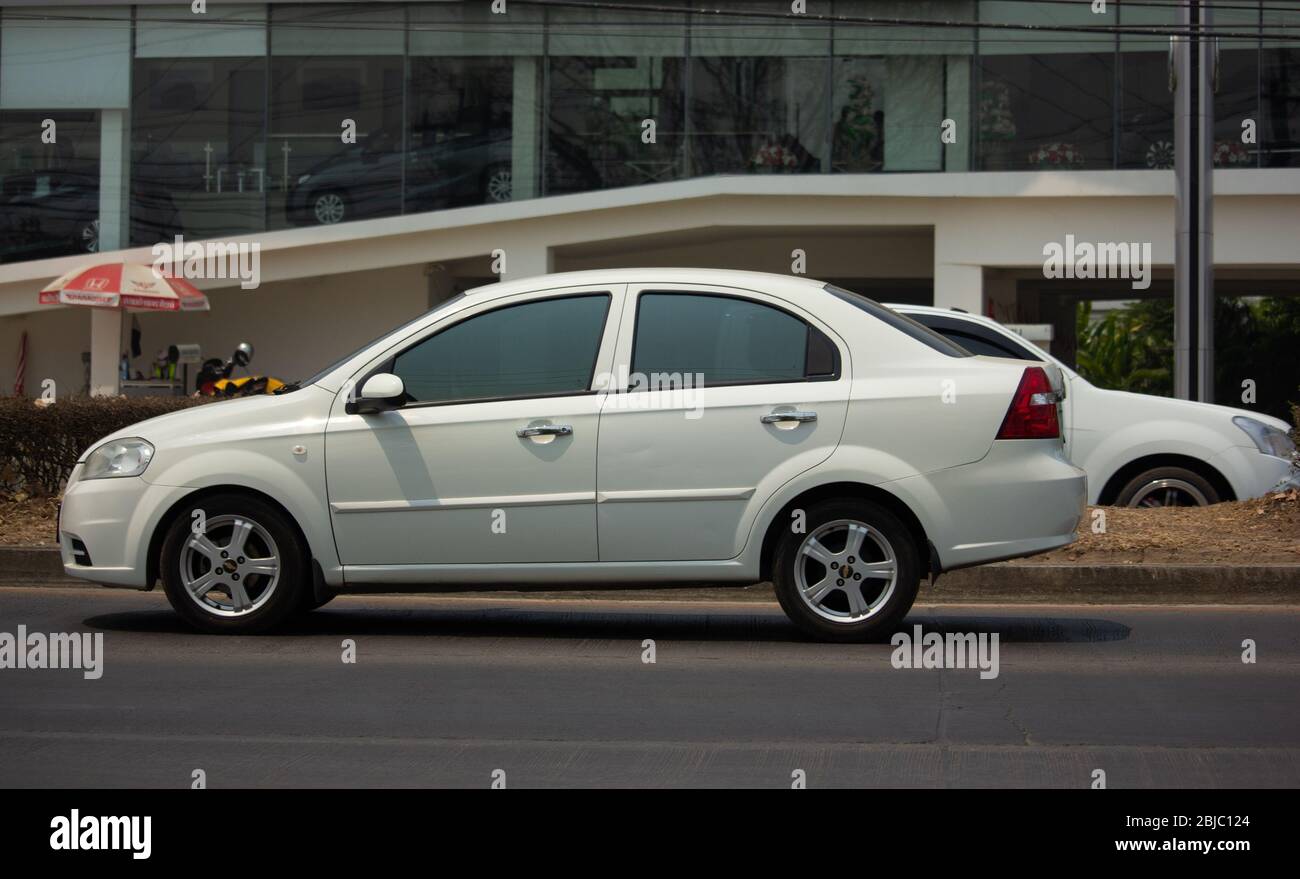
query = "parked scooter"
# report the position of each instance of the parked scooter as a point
(215, 380)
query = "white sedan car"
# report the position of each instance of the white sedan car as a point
(1142, 450)
(647, 427)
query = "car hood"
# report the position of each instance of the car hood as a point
(241, 417)
(1148, 406)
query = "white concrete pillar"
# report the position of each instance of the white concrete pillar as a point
(114, 234)
(525, 134)
(105, 350)
(958, 285)
(114, 180)
(526, 259)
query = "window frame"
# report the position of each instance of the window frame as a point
(835, 375)
(387, 363)
(982, 332)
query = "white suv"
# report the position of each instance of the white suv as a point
(655, 426)
(1142, 450)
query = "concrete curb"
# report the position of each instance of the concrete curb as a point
(1017, 582)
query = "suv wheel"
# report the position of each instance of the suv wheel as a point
(498, 184)
(1168, 487)
(852, 576)
(243, 573)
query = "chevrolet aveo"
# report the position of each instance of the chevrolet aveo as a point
(634, 427)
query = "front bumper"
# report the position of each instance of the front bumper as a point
(1250, 472)
(105, 526)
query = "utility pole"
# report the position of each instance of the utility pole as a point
(1193, 79)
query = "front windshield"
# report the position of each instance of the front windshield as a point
(293, 386)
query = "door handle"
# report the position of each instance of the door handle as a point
(779, 417)
(544, 430)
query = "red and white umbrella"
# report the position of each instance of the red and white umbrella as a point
(124, 285)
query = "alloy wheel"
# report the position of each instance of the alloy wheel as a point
(329, 208)
(1168, 493)
(232, 568)
(845, 571)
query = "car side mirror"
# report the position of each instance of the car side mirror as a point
(382, 392)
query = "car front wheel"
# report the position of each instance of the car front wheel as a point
(851, 574)
(233, 564)
(1168, 487)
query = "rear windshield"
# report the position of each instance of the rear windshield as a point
(900, 322)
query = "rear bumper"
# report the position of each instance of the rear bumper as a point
(1021, 499)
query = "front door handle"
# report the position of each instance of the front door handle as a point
(792, 417)
(544, 430)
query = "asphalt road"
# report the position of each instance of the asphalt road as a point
(446, 690)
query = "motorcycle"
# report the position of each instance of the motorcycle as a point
(214, 379)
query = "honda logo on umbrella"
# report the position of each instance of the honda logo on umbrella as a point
(99, 283)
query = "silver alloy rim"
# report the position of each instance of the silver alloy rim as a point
(90, 237)
(329, 208)
(1169, 493)
(500, 186)
(845, 571)
(232, 568)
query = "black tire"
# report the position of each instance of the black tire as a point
(496, 189)
(883, 619)
(267, 610)
(1176, 483)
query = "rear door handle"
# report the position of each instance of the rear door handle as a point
(779, 417)
(544, 430)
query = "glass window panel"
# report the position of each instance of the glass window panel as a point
(1046, 99)
(596, 138)
(1279, 123)
(320, 28)
(37, 69)
(893, 86)
(198, 147)
(337, 79)
(460, 29)
(616, 32)
(49, 192)
(724, 340)
(1146, 105)
(544, 348)
(460, 132)
(1237, 97)
(238, 30)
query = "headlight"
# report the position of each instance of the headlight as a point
(1268, 440)
(303, 179)
(124, 457)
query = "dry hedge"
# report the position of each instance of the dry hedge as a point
(39, 445)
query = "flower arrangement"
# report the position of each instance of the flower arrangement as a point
(1056, 155)
(775, 157)
(1228, 153)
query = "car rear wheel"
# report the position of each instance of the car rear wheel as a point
(498, 184)
(243, 571)
(1168, 487)
(88, 237)
(852, 575)
(329, 208)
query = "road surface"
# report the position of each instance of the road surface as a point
(454, 691)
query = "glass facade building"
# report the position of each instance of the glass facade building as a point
(255, 117)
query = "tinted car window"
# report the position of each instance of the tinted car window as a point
(723, 339)
(900, 322)
(976, 338)
(535, 349)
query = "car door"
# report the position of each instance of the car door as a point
(719, 397)
(492, 459)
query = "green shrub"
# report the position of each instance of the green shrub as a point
(39, 445)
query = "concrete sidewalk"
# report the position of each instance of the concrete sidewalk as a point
(1002, 582)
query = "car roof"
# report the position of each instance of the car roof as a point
(761, 281)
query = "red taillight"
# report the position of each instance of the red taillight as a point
(1033, 409)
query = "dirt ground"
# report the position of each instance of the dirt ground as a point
(1261, 531)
